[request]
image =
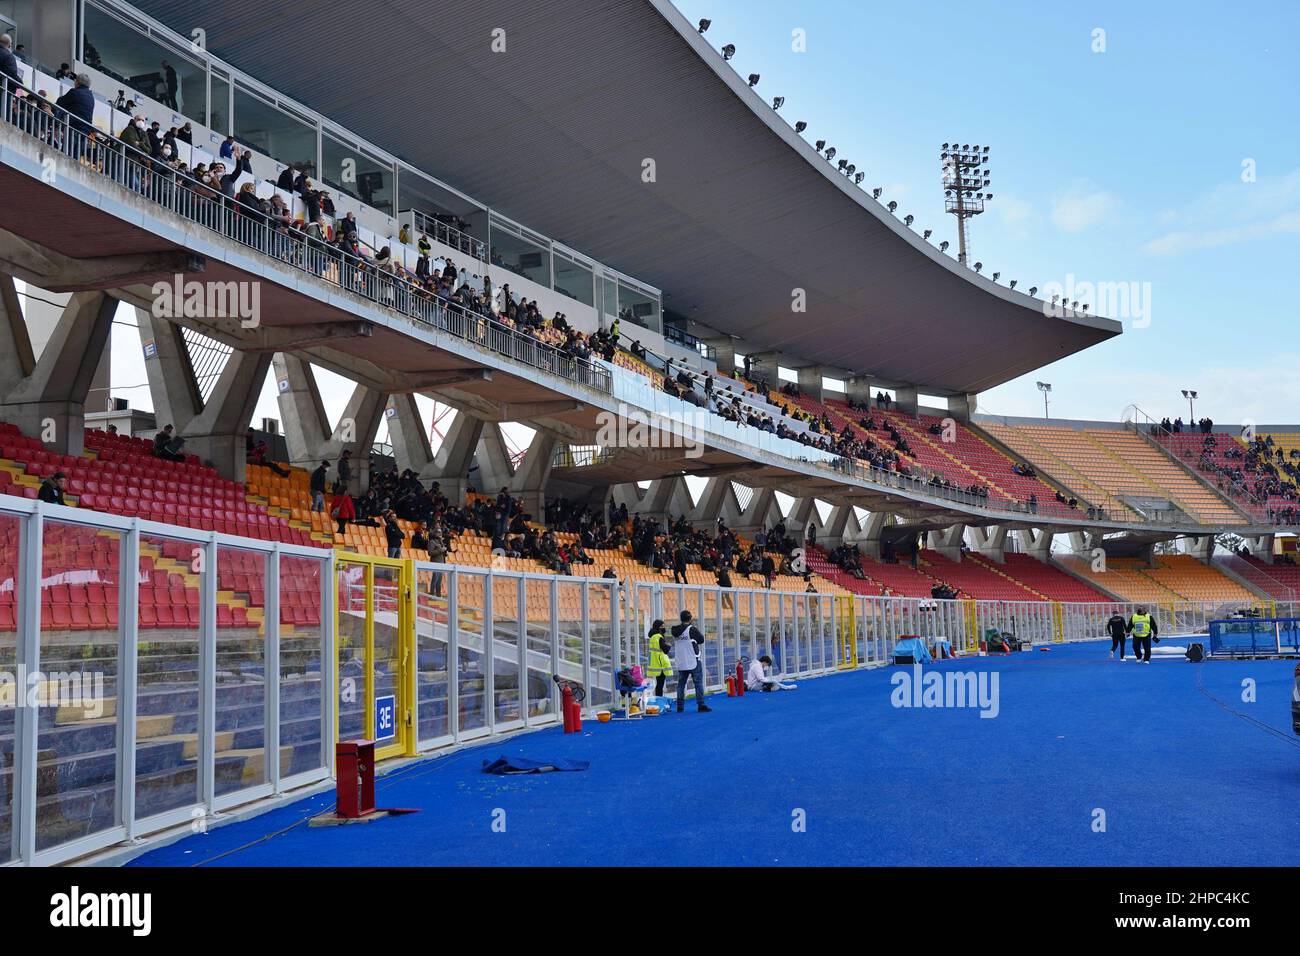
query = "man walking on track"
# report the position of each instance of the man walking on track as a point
(1117, 628)
(1143, 628)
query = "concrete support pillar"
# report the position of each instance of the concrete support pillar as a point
(962, 407)
(761, 512)
(46, 398)
(495, 470)
(1038, 543)
(528, 483)
(307, 431)
(407, 434)
(858, 389)
(990, 542)
(835, 531)
(1201, 547)
(810, 382)
(717, 501)
(724, 354)
(905, 399)
(1261, 547)
(213, 429)
(947, 542)
(869, 539)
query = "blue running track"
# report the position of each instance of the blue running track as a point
(1185, 772)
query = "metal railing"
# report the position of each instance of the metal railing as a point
(304, 250)
(468, 652)
(1231, 488)
(449, 235)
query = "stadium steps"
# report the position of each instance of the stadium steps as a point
(1160, 470)
(912, 430)
(1075, 484)
(991, 566)
(999, 447)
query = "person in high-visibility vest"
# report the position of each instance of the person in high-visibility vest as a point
(661, 665)
(1143, 628)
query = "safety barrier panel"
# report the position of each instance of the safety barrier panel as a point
(141, 687)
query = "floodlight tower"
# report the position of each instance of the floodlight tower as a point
(966, 176)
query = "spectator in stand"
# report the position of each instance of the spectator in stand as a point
(228, 147)
(345, 468)
(9, 62)
(80, 103)
(52, 489)
(343, 511)
(393, 534)
(165, 445)
(318, 486)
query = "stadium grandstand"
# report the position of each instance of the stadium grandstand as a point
(223, 579)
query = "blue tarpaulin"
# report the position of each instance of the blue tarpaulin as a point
(505, 765)
(913, 647)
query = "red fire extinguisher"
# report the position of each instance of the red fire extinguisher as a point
(566, 708)
(731, 686)
(740, 679)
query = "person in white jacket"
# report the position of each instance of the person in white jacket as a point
(759, 676)
(688, 662)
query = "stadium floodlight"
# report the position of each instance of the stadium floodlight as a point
(1033, 290)
(704, 25)
(1055, 296)
(964, 180)
(908, 220)
(892, 205)
(830, 154)
(927, 234)
(996, 276)
(979, 266)
(875, 193)
(857, 180)
(753, 79)
(943, 246)
(850, 169)
(778, 102)
(729, 51)
(1085, 309)
(1045, 388)
(1013, 282)
(819, 145)
(1191, 396)
(843, 164)
(800, 126)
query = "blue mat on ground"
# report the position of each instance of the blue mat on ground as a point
(512, 765)
(1168, 758)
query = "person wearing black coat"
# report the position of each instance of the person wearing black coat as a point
(1117, 627)
(80, 103)
(9, 62)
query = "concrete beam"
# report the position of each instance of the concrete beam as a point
(50, 401)
(306, 427)
(948, 542)
(991, 542)
(54, 272)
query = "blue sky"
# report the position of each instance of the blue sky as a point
(1117, 166)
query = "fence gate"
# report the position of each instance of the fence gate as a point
(375, 630)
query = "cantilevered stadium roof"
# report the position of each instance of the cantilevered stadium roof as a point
(554, 131)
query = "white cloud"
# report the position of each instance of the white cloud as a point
(1233, 213)
(1082, 205)
(1173, 243)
